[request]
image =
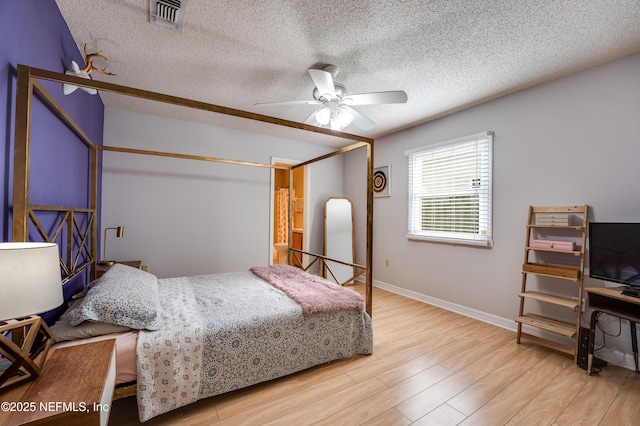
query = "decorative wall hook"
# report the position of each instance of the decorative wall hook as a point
(67, 89)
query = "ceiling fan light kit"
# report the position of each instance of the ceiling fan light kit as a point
(341, 118)
(332, 113)
(336, 105)
(323, 116)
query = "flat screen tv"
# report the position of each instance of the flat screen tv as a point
(614, 254)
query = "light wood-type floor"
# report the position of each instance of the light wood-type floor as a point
(429, 367)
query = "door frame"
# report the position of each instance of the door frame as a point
(272, 186)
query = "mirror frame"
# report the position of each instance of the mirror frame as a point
(330, 275)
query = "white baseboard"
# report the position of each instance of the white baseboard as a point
(612, 356)
(509, 324)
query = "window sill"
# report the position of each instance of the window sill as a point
(451, 241)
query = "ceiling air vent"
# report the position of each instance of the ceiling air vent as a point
(167, 13)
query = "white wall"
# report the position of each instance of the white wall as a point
(569, 142)
(185, 217)
(355, 185)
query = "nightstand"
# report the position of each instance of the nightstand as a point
(75, 388)
(101, 269)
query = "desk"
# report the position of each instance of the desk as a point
(610, 301)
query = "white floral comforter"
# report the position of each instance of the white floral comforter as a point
(228, 331)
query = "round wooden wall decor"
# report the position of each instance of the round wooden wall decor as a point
(379, 181)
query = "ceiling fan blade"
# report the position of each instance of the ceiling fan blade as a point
(360, 120)
(393, 97)
(286, 103)
(323, 81)
(311, 119)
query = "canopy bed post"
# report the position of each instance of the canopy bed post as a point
(290, 220)
(22, 147)
(93, 204)
(369, 254)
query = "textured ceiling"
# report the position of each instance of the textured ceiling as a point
(447, 54)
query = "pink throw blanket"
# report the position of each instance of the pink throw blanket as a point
(313, 293)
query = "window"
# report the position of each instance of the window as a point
(450, 191)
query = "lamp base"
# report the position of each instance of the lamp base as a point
(107, 262)
(22, 363)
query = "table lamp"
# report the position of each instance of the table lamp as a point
(30, 283)
(119, 234)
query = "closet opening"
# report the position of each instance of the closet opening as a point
(281, 194)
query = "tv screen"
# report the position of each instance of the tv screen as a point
(614, 252)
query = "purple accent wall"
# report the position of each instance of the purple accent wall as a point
(34, 33)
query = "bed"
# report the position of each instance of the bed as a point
(202, 336)
(209, 334)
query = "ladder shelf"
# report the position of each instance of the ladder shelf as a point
(554, 252)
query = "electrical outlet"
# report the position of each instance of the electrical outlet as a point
(386, 262)
(145, 268)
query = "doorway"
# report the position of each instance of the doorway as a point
(280, 225)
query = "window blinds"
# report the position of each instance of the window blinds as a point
(450, 188)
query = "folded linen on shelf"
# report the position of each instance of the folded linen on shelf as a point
(555, 219)
(542, 244)
(564, 245)
(555, 245)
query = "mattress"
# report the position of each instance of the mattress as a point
(125, 352)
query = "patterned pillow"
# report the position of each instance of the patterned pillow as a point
(123, 296)
(63, 331)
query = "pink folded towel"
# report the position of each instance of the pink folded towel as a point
(556, 245)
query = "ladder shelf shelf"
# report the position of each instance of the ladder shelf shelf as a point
(563, 227)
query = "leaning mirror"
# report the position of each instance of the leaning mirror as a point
(339, 239)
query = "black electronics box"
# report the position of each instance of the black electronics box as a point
(583, 351)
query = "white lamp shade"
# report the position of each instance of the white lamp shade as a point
(30, 280)
(323, 115)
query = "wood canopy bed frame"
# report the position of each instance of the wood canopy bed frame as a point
(80, 224)
(75, 229)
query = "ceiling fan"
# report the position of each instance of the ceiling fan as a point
(336, 110)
